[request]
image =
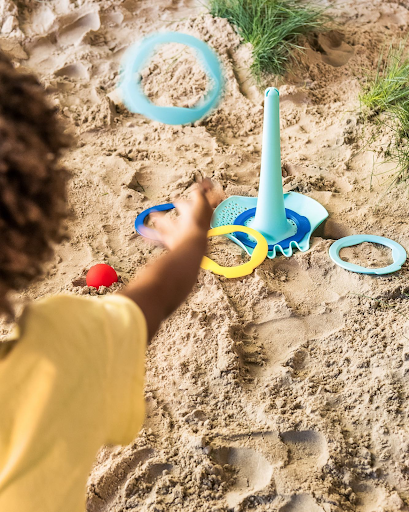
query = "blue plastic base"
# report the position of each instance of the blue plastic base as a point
(228, 211)
(302, 224)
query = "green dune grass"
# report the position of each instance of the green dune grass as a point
(385, 102)
(273, 27)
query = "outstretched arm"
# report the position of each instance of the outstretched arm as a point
(163, 285)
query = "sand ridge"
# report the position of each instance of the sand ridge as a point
(286, 390)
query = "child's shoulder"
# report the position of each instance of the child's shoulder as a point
(60, 314)
(60, 306)
(75, 301)
(69, 312)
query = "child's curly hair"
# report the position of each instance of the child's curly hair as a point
(32, 183)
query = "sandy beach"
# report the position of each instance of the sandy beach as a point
(286, 390)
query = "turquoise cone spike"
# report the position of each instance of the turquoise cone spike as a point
(270, 219)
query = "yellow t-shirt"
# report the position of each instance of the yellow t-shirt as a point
(72, 382)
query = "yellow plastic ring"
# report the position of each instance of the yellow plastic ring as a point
(258, 256)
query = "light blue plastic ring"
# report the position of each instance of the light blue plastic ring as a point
(398, 254)
(132, 92)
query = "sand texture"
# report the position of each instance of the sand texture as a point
(287, 390)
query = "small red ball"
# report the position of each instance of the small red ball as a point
(101, 275)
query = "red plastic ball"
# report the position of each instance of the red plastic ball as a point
(101, 275)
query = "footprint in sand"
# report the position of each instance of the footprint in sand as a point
(254, 472)
(307, 450)
(148, 476)
(307, 454)
(273, 463)
(283, 336)
(111, 475)
(333, 49)
(77, 70)
(301, 503)
(73, 32)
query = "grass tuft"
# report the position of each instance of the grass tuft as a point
(273, 27)
(385, 102)
(388, 90)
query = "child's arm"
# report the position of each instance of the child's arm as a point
(161, 287)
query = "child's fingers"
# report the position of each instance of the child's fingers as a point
(150, 234)
(161, 221)
(152, 237)
(199, 202)
(156, 216)
(207, 185)
(213, 191)
(203, 186)
(215, 196)
(160, 228)
(183, 207)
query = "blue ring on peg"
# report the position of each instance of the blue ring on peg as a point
(302, 223)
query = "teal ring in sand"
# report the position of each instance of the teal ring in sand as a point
(132, 92)
(398, 254)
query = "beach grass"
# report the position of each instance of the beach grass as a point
(273, 27)
(385, 103)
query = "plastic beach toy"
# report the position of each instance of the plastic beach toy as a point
(258, 256)
(398, 254)
(132, 92)
(140, 221)
(286, 220)
(101, 275)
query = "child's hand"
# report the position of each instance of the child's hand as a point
(194, 217)
(163, 285)
(214, 192)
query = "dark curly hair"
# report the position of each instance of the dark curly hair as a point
(32, 182)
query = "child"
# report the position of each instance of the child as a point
(71, 380)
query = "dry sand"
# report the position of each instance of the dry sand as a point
(287, 390)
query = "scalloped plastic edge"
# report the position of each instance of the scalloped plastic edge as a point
(302, 247)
